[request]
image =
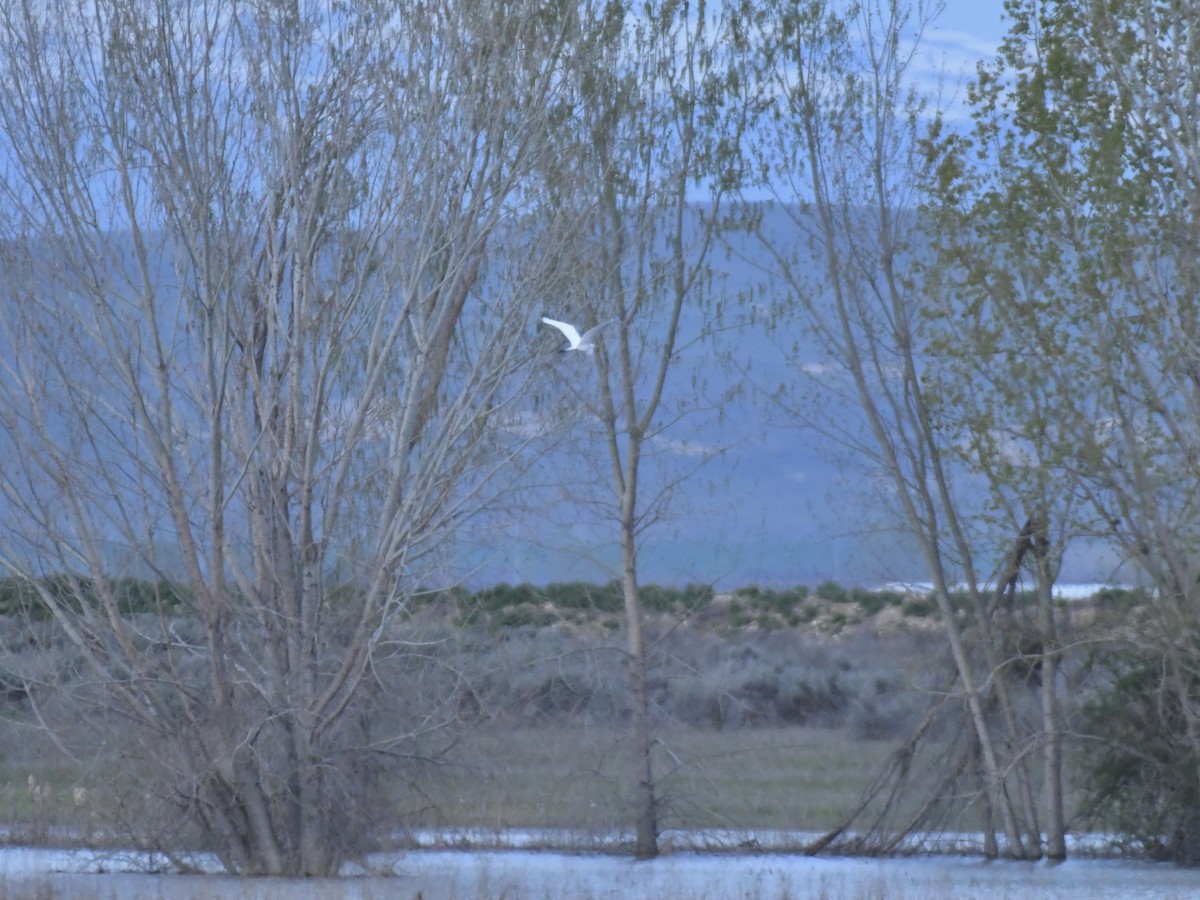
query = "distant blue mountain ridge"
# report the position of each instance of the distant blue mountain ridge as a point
(776, 504)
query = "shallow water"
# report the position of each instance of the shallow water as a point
(521, 874)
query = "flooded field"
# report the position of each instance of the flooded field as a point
(531, 875)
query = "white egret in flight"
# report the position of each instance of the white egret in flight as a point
(585, 343)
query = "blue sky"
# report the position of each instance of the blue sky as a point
(972, 27)
(964, 33)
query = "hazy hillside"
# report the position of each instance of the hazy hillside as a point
(767, 501)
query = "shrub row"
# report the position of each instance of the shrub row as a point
(21, 597)
(505, 605)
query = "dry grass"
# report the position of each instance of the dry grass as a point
(39, 801)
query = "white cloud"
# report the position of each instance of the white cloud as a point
(965, 46)
(684, 448)
(817, 368)
(527, 424)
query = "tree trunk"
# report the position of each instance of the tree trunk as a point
(1056, 840)
(645, 801)
(997, 794)
(1056, 844)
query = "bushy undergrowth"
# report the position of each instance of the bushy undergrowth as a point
(1142, 758)
(704, 679)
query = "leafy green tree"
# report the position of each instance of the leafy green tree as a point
(1075, 245)
(1081, 286)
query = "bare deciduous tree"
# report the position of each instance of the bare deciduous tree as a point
(266, 273)
(841, 152)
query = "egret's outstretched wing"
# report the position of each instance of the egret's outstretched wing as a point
(566, 328)
(589, 336)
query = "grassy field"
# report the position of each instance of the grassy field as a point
(503, 777)
(795, 778)
(549, 777)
